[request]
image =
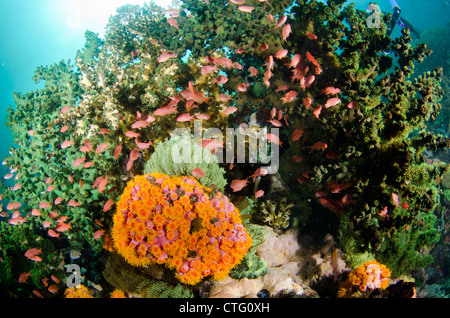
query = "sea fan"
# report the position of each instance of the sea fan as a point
(165, 160)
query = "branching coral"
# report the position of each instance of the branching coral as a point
(179, 223)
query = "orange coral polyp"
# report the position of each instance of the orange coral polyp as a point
(157, 221)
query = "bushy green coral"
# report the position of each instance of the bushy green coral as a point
(180, 155)
(252, 265)
(42, 162)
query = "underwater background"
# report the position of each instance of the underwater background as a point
(358, 207)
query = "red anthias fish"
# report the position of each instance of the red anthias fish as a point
(108, 204)
(317, 111)
(66, 144)
(311, 36)
(98, 234)
(229, 110)
(274, 139)
(185, 117)
(33, 253)
(191, 94)
(173, 22)
(134, 154)
(101, 147)
(237, 185)
(117, 151)
(289, 97)
(259, 173)
(297, 134)
(331, 90)
(332, 102)
(312, 60)
(246, 9)
(319, 146)
(166, 56)
(259, 194)
(198, 172)
(286, 32)
(281, 53)
(307, 102)
(281, 21)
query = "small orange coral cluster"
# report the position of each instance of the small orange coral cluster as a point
(370, 276)
(117, 293)
(180, 223)
(80, 291)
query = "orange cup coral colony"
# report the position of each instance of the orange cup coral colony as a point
(180, 223)
(370, 276)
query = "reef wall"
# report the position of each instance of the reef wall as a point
(351, 122)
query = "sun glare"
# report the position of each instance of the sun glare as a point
(94, 14)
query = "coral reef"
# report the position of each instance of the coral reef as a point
(353, 134)
(373, 147)
(177, 222)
